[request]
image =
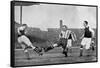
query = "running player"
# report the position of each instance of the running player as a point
(61, 42)
(71, 36)
(86, 38)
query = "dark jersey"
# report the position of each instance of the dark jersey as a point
(87, 33)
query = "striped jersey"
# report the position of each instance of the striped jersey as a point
(68, 34)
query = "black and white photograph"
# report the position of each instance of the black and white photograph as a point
(53, 33)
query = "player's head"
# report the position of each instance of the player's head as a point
(61, 21)
(85, 23)
(24, 26)
(64, 27)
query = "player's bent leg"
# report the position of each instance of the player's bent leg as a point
(69, 50)
(88, 49)
(27, 53)
(48, 49)
(88, 52)
(65, 52)
(81, 50)
(69, 45)
(92, 46)
(20, 41)
(38, 51)
(28, 43)
(83, 43)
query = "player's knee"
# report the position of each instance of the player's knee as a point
(55, 45)
(25, 50)
(81, 47)
(87, 48)
(68, 46)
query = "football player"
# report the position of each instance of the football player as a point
(25, 42)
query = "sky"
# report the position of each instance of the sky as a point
(45, 16)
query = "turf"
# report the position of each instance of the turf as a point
(54, 56)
